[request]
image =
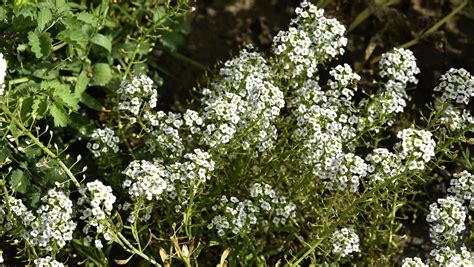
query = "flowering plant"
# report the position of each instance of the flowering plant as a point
(274, 162)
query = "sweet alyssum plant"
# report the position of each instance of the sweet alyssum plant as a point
(274, 165)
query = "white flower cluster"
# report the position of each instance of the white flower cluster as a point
(399, 65)
(448, 257)
(456, 85)
(54, 223)
(97, 200)
(3, 73)
(381, 107)
(462, 187)
(239, 216)
(383, 164)
(242, 103)
(47, 262)
(103, 141)
(136, 94)
(344, 242)
(446, 220)
(456, 118)
(413, 262)
(344, 78)
(311, 40)
(52, 226)
(325, 121)
(417, 148)
(145, 179)
(20, 216)
(153, 181)
(164, 137)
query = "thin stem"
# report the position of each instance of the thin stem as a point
(430, 31)
(40, 145)
(135, 250)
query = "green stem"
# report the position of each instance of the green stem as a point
(430, 31)
(40, 145)
(365, 14)
(135, 250)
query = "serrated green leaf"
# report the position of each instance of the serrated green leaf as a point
(88, 18)
(41, 43)
(62, 94)
(19, 181)
(59, 116)
(40, 107)
(102, 74)
(44, 16)
(102, 41)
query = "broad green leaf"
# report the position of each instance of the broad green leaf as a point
(102, 41)
(60, 117)
(40, 43)
(20, 181)
(61, 93)
(102, 73)
(44, 16)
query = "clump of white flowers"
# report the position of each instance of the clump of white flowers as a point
(417, 147)
(344, 242)
(455, 119)
(446, 220)
(103, 141)
(399, 65)
(413, 262)
(326, 120)
(242, 103)
(311, 40)
(462, 187)
(54, 223)
(97, 202)
(145, 179)
(383, 164)
(136, 94)
(164, 135)
(399, 68)
(3, 73)
(448, 257)
(239, 216)
(50, 227)
(47, 262)
(456, 85)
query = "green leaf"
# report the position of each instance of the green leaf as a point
(81, 84)
(19, 181)
(102, 74)
(40, 43)
(88, 18)
(59, 116)
(44, 16)
(102, 41)
(91, 102)
(40, 107)
(64, 96)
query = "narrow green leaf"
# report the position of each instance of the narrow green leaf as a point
(102, 41)
(81, 84)
(91, 102)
